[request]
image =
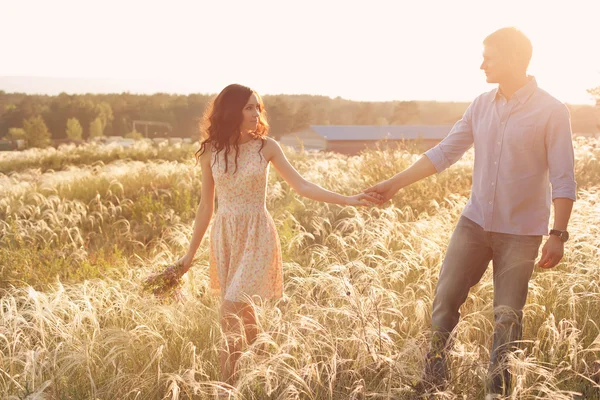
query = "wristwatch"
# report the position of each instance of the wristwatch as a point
(563, 235)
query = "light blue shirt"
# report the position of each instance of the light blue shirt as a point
(523, 159)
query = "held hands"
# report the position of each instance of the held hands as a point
(383, 191)
(363, 199)
(374, 196)
(552, 252)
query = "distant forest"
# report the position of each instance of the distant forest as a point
(113, 114)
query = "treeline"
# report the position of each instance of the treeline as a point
(84, 116)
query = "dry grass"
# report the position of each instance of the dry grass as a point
(76, 244)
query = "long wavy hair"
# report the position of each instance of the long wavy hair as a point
(220, 126)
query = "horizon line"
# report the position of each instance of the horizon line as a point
(590, 102)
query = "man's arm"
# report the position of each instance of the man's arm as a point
(421, 169)
(437, 159)
(561, 165)
(562, 213)
(554, 249)
(458, 141)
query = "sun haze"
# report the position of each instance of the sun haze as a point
(375, 51)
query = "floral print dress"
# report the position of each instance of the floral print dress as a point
(245, 253)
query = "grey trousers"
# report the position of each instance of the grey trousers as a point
(469, 253)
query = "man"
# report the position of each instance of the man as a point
(523, 144)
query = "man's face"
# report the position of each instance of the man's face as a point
(497, 67)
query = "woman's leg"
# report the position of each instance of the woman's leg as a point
(237, 319)
(250, 324)
(231, 324)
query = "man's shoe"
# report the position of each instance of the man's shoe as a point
(435, 376)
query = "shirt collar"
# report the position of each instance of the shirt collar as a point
(523, 94)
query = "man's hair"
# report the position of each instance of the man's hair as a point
(513, 43)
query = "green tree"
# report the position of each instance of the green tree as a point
(280, 116)
(405, 112)
(74, 129)
(17, 134)
(134, 135)
(36, 131)
(595, 92)
(85, 112)
(302, 117)
(96, 128)
(60, 109)
(382, 121)
(105, 114)
(365, 114)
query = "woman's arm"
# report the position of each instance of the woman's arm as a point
(273, 153)
(203, 213)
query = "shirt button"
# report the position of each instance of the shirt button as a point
(495, 163)
(498, 142)
(490, 202)
(493, 183)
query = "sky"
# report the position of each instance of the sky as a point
(360, 50)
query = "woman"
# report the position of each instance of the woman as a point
(245, 254)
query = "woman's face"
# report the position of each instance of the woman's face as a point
(250, 113)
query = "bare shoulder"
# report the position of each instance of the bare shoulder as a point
(271, 148)
(272, 143)
(206, 157)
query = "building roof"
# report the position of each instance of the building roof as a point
(380, 132)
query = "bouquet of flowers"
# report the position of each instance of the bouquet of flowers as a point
(165, 284)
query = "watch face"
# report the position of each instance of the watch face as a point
(563, 235)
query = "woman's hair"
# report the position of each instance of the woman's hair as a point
(512, 43)
(220, 126)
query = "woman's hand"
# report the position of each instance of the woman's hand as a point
(384, 191)
(363, 199)
(186, 262)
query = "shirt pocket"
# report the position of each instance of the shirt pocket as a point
(523, 137)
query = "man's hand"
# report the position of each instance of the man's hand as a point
(552, 252)
(384, 190)
(363, 199)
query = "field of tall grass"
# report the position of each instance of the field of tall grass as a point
(80, 228)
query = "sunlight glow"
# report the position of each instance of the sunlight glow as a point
(380, 50)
